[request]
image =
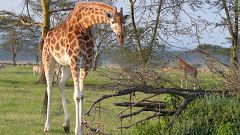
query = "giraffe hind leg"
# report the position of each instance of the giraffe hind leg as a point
(64, 77)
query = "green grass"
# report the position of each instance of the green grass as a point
(21, 103)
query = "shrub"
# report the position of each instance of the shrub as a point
(213, 114)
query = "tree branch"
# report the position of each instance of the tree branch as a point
(153, 105)
(60, 10)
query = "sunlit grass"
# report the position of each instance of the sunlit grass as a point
(21, 103)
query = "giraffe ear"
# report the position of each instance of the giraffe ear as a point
(125, 18)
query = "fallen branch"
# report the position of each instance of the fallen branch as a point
(188, 95)
(152, 105)
(140, 121)
(185, 102)
(95, 130)
(162, 112)
(118, 93)
(135, 104)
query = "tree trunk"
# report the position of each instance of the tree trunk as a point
(14, 59)
(234, 54)
(94, 63)
(95, 59)
(234, 57)
(45, 27)
(145, 54)
(232, 24)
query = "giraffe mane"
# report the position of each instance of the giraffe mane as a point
(96, 5)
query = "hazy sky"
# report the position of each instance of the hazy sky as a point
(217, 37)
(11, 5)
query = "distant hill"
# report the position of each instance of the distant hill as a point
(112, 57)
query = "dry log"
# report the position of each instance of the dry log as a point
(161, 112)
(95, 130)
(187, 95)
(150, 90)
(142, 104)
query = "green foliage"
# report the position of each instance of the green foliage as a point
(147, 128)
(213, 114)
(215, 49)
(208, 47)
(217, 114)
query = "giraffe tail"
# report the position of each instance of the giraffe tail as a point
(45, 101)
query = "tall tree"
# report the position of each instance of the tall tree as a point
(45, 27)
(230, 20)
(12, 42)
(151, 21)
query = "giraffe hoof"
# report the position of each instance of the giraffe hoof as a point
(66, 129)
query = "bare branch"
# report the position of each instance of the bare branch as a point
(152, 104)
(60, 10)
(30, 23)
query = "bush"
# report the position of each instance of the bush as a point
(213, 114)
(216, 114)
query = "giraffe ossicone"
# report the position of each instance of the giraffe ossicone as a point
(71, 45)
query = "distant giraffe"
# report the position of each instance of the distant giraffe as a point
(71, 45)
(2, 65)
(37, 69)
(188, 70)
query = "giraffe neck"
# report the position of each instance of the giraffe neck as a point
(86, 15)
(184, 64)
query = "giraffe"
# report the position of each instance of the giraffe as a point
(71, 45)
(2, 65)
(188, 70)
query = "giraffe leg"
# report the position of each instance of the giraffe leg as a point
(186, 84)
(64, 77)
(78, 97)
(49, 72)
(181, 83)
(194, 85)
(81, 86)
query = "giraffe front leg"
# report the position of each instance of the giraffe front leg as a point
(181, 83)
(78, 99)
(194, 86)
(186, 84)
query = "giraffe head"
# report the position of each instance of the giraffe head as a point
(116, 20)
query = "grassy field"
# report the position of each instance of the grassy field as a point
(21, 103)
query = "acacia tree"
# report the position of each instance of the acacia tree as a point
(12, 42)
(103, 43)
(153, 23)
(230, 20)
(16, 36)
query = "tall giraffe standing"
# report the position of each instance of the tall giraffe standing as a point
(71, 45)
(188, 70)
